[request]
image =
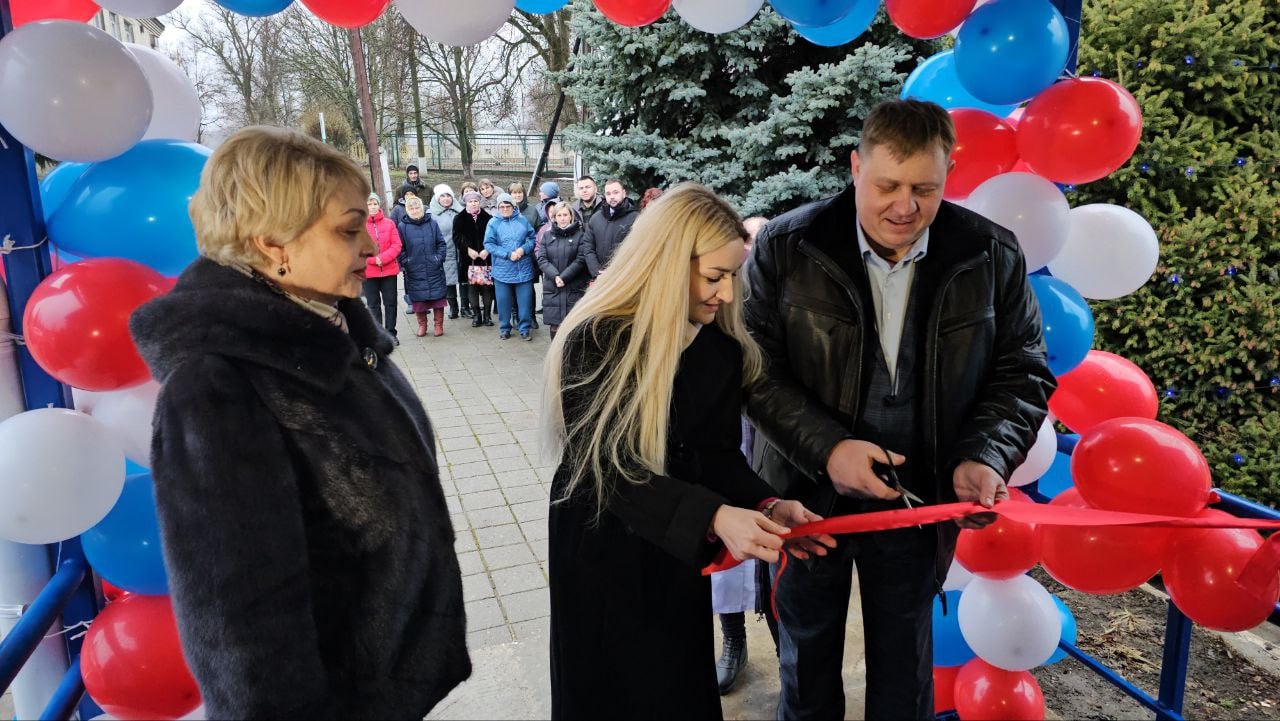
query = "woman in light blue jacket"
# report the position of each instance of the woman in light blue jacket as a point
(509, 240)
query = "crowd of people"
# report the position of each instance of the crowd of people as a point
(308, 544)
(486, 251)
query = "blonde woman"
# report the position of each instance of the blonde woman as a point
(295, 469)
(644, 393)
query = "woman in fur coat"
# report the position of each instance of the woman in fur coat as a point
(304, 529)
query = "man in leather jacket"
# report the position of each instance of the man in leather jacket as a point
(908, 337)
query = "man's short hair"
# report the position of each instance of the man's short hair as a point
(907, 127)
(611, 181)
(586, 177)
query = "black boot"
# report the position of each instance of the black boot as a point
(732, 662)
(477, 320)
(488, 318)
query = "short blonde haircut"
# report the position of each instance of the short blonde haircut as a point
(266, 181)
(515, 186)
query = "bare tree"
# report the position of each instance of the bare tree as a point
(247, 61)
(549, 36)
(208, 88)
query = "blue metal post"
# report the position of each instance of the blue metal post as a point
(1173, 668)
(38, 617)
(22, 219)
(67, 695)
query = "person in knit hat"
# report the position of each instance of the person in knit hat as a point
(414, 183)
(548, 197)
(468, 236)
(444, 208)
(509, 240)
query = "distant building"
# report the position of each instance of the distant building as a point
(139, 31)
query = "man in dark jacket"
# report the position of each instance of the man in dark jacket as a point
(914, 340)
(608, 228)
(413, 183)
(588, 202)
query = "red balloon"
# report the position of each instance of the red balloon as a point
(986, 146)
(1100, 559)
(1200, 572)
(132, 661)
(110, 592)
(77, 322)
(633, 13)
(1080, 129)
(347, 13)
(25, 11)
(1005, 549)
(944, 688)
(1141, 466)
(928, 18)
(1102, 387)
(985, 692)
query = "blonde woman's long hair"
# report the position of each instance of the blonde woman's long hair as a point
(645, 292)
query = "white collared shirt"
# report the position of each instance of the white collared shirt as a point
(890, 291)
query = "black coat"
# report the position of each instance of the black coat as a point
(308, 545)
(631, 633)
(422, 258)
(605, 232)
(560, 253)
(985, 386)
(468, 232)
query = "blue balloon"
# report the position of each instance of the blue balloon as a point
(256, 8)
(1057, 479)
(133, 469)
(935, 80)
(134, 206)
(540, 7)
(846, 29)
(57, 184)
(124, 547)
(949, 646)
(813, 13)
(1069, 630)
(1010, 50)
(1068, 322)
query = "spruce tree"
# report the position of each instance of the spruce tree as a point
(1207, 177)
(760, 115)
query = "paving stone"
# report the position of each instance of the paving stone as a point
(495, 452)
(485, 428)
(496, 439)
(530, 511)
(516, 479)
(471, 562)
(540, 549)
(507, 556)
(495, 536)
(487, 482)
(537, 630)
(518, 578)
(509, 464)
(526, 605)
(460, 443)
(489, 637)
(454, 432)
(479, 417)
(483, 614)
(524, 494)
(467, 470)
(534, 530)
(497, 516)
(482, 499)
(471, 455)
(477, 586)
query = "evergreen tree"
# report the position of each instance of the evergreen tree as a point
(760, 114)
(1206, 175)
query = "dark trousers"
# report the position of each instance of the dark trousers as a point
(380, 296)
(451, 294)
(896, 583)
(481, 297)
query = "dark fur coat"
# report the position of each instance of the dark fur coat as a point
(305, 533)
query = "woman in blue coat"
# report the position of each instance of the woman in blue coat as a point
(509, 240)
(564, 269)
(422, 261)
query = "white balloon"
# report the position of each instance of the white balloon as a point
(1111, 251)
(1039, 458)
(140, 8)
(957, 577)
(718, 16)
(200, 714)
(127, 414)
(85, 400)
(1012, 624)
(177, 116)
(454, 23)
(71, 91)
(1032, 207)
(60, 473)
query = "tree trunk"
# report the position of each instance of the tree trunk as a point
(366, 112)
(417, 100)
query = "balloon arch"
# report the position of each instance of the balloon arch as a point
(115, 210)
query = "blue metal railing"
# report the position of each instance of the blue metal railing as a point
(38, 618)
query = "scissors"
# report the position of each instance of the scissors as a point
(890, 477)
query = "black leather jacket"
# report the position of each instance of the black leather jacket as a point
(985, 382)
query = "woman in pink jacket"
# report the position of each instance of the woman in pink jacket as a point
(382, 270)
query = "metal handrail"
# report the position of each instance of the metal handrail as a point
(36, 620)
(67, 696)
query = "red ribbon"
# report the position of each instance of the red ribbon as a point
(1255, 578)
